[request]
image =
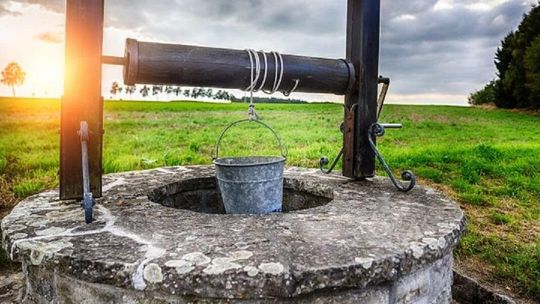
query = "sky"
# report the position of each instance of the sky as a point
(434, 51)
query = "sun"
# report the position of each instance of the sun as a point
(45, 76)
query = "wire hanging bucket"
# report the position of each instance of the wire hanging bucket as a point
(251, 184)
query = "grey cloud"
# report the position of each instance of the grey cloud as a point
(5, 11)
(445, 51)
(456, 23)
(424, 50)
(57, 6)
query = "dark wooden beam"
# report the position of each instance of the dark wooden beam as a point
(177, 64)
(363, 22)
(82, 96)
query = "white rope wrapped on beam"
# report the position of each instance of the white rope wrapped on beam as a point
(255, 74)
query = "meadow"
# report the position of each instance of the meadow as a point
(486, 159)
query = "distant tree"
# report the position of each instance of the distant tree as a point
(177, 90)
(503, 60)
(515, 63)
(209, 93)
(195, 93)
(130, 89)
(156, 89)
(483, 96)
(115, 88)
(13, 75)
(144, 91)
(218, 94)
(186, 93)
(532, 72)
(169, 90)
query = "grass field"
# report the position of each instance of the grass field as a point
(488, 160)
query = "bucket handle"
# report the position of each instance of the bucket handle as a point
(282, 147)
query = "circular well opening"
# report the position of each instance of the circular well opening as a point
(202, 195)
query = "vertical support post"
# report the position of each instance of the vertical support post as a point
(82, 99)
(363, 22)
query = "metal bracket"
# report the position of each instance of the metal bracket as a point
(382, 96)
(88, 201)
(325, 161)
(375, 129)
(347, 124)
(378, 129)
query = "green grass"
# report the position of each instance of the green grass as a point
(489, 160)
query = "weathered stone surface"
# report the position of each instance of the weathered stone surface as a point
(11, 288)
(368, 237)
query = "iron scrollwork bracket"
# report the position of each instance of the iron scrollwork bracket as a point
(378, 129)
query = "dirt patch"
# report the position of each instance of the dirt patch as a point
(489, 106)
(7, 198)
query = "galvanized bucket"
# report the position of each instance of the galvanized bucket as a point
(252, 184)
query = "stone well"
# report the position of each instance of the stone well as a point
(160, 236)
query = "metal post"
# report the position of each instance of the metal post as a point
(363, 22)
(82, 97)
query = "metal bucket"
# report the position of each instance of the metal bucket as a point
(253, 184)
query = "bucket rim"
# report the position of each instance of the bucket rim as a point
(276, 160)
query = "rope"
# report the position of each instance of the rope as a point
(278, 73)
(255, 73)
(254, 77)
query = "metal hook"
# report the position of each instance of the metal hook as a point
(379, 130)
(325, 161)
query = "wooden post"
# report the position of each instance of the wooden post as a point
(82, 99)
(363, 22)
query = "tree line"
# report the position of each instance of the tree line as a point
(195, 93)
(518, 68)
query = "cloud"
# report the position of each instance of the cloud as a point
(427, 46)
(6, 11)
(50, 37)
(57, 6)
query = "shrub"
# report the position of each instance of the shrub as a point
(484, 96)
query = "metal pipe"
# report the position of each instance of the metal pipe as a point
(175, 64)
(391, 125)
(113, 60)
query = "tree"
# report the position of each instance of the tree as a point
(532, 72)
(144, 91)
(156, 89)
(13, 75)
(514, 61)
(483, 96)
(115, 88)
(503, 59)
(169, 90)
(177, 90)
(130, 89)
